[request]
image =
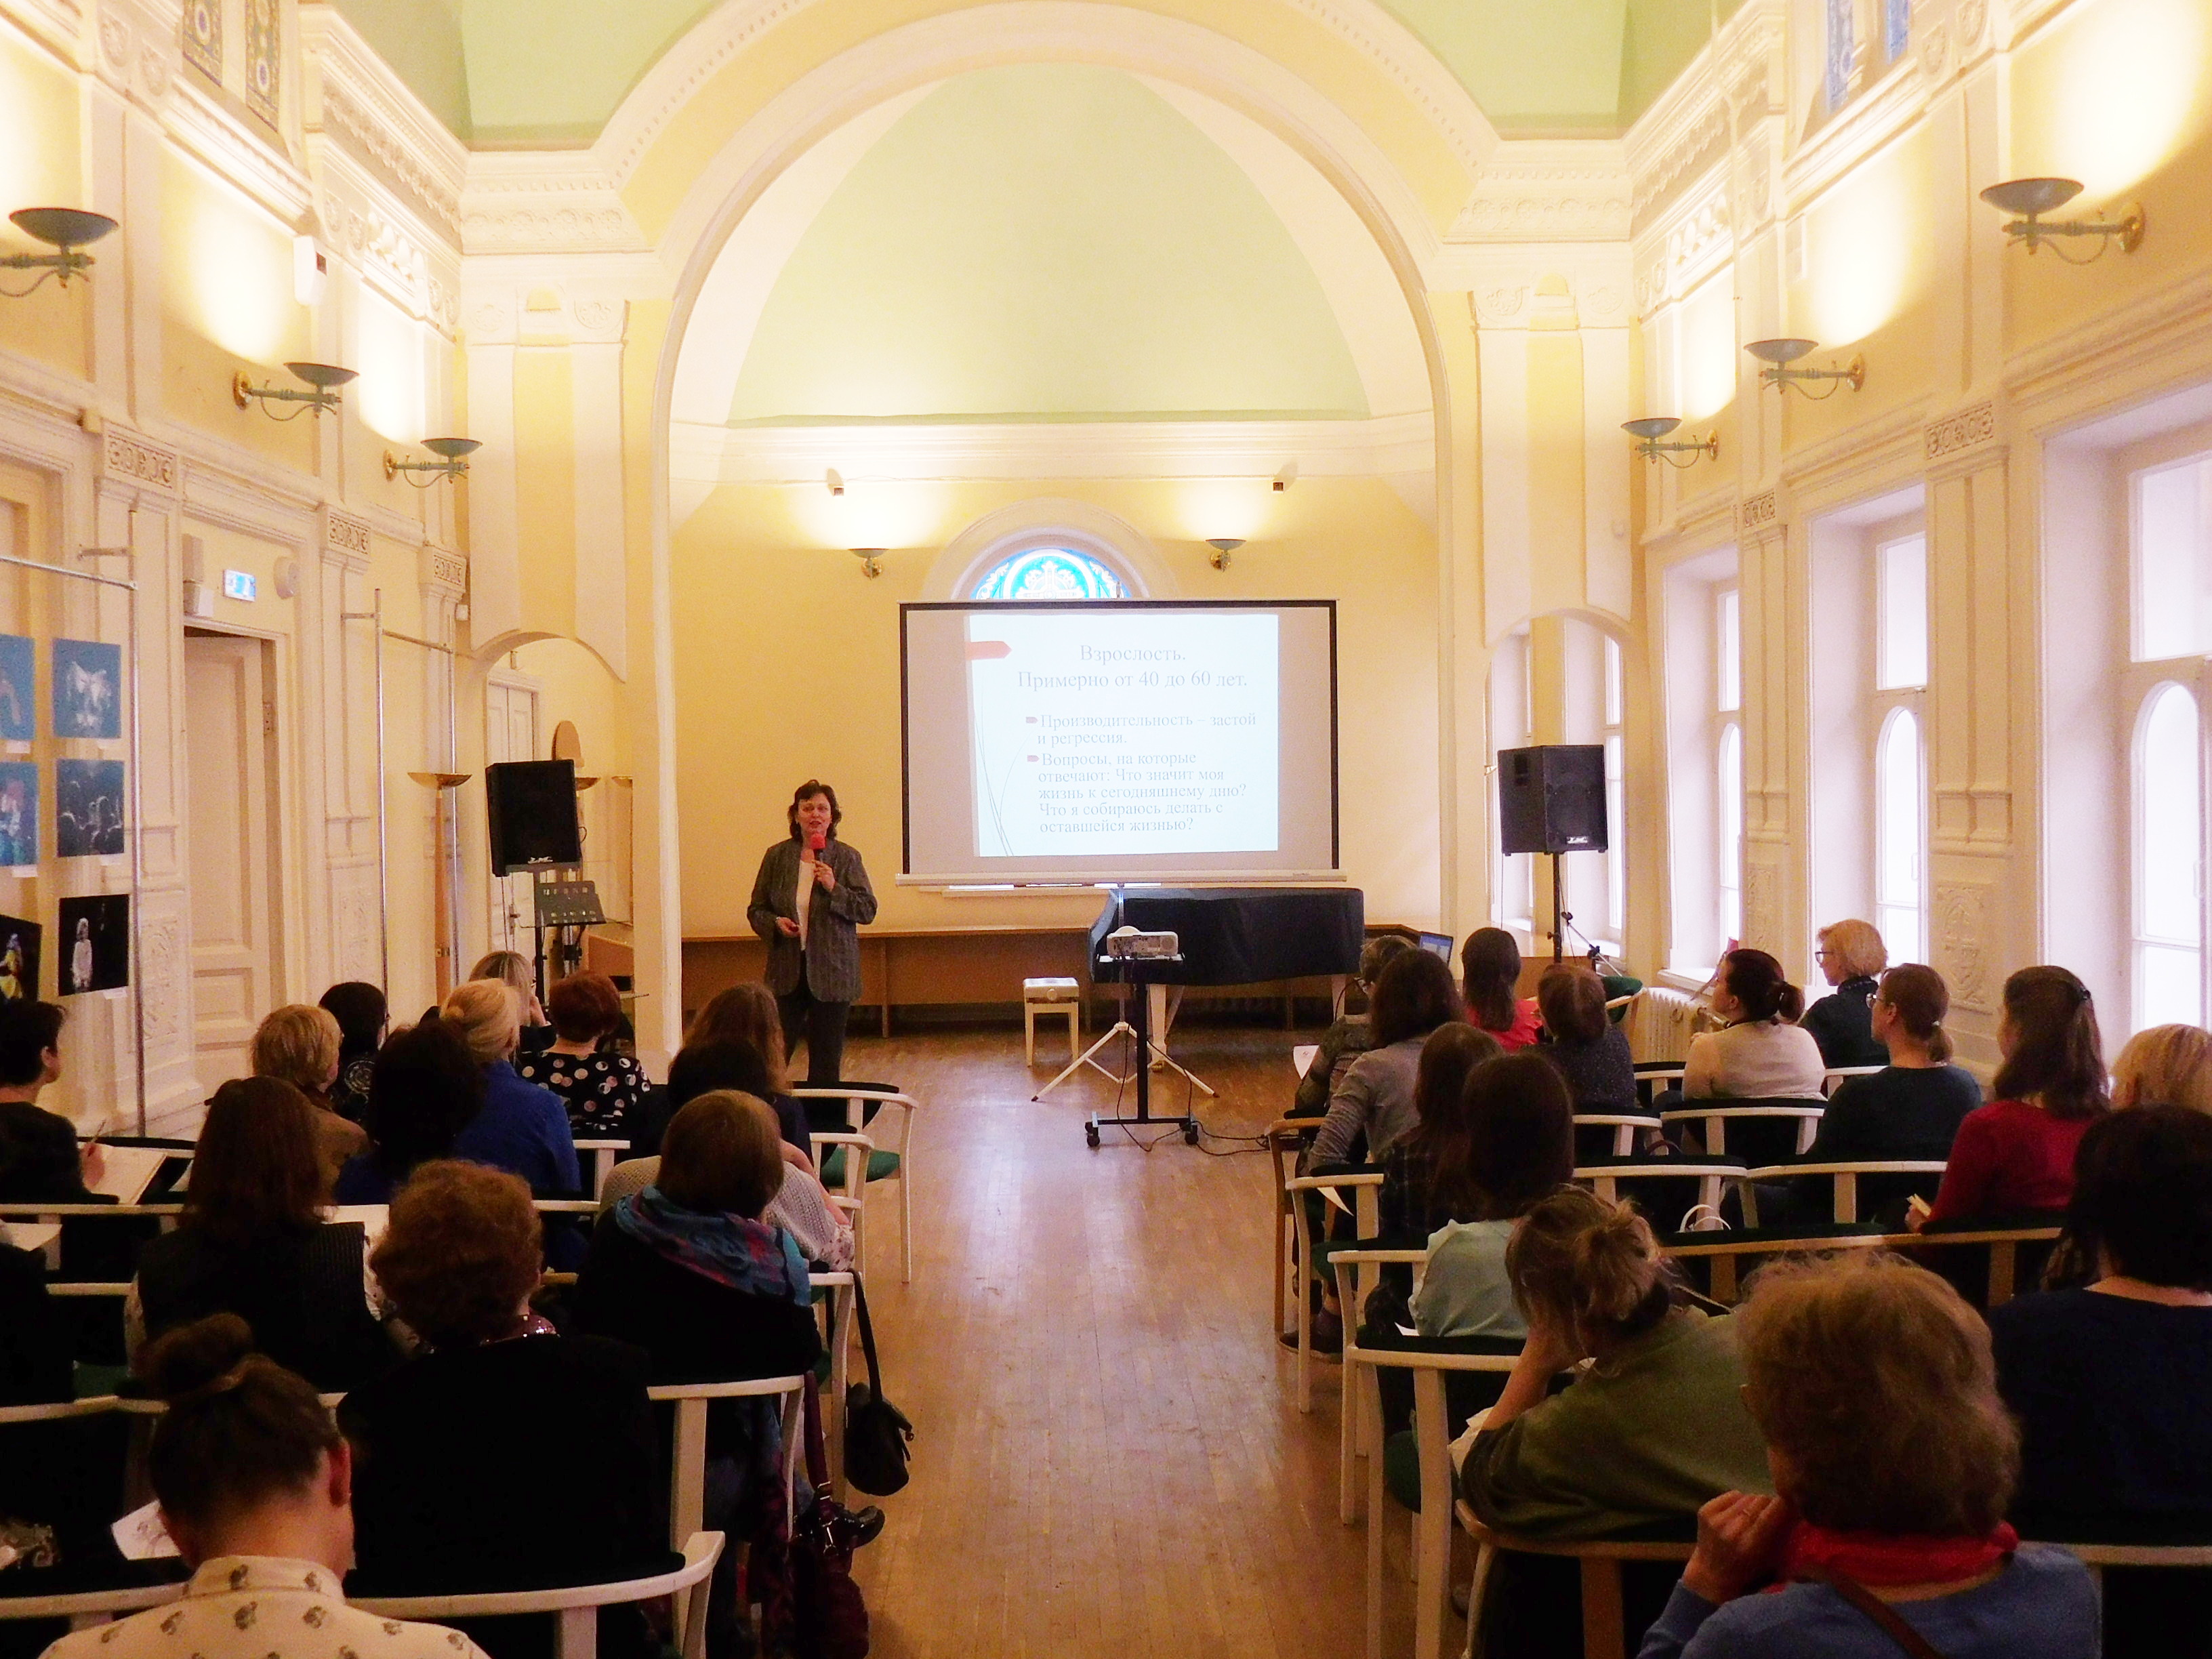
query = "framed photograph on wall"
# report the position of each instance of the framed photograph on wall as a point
(19, 814)
(19, 959)
(19, 658)
(89, 807)
(95, 943)
(88, 688)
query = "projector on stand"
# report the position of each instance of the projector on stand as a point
(1128, 945)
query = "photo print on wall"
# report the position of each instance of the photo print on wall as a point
(89, 807)
(18, 703)
(88, 688)
(19, 959)
(19, 814)
(95, 943)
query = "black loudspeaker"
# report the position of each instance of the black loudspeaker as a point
(534, 814)
(1552, 799)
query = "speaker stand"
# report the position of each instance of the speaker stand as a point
(1558, 914)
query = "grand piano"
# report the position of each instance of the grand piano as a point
(1238, 935)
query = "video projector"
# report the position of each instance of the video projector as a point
(1127, 944)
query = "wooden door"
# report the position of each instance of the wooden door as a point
(511, 734)
(230, 720)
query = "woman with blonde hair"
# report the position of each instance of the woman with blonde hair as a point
(298, 1045)
(1852, 956)
(2165, 1066)
(514, 970)
(1892, 1459)
(520, 1127)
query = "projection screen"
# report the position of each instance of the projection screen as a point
(1119, 740)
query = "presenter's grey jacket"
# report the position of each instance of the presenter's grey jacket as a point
(833, 948)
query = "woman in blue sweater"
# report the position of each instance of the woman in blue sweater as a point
(1893, 1460)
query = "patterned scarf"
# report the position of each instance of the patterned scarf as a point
(746, 1256)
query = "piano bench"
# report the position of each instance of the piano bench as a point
(1050, 997)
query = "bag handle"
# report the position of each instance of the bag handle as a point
(1878, 1610)
(867, 1335)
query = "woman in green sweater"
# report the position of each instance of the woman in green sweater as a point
(1648, 1431)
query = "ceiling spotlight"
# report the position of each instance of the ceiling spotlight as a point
(2031, 199)
(1649, 430)
(1286, 477)
(325, 378)
(450, 463)
(834, 480)
(1778, 355)
(64, 229)
(1223, 546)
(870, 557)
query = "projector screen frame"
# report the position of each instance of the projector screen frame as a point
(1063, 879)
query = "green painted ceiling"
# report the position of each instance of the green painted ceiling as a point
(525, 73)
(1046, 241)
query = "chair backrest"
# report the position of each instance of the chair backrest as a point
(1600, 1561)
(1844, 1178)
(687, 1482)
(1767, 1130)
(1365, 1186)
(1664, 1188)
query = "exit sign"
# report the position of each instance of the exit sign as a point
(240, 585)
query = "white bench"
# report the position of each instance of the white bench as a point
(1049, 997)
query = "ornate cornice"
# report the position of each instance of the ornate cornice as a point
(345, 539)
(1549, 190)
(443, 574)
(127, 458)
(355, 99)
(1965, 429)
(1684, 132)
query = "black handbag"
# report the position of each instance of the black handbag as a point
(876, 1431)
(828, 1617)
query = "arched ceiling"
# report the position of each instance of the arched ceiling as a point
(532, 73)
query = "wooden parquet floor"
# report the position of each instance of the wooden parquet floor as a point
(1109, 1459)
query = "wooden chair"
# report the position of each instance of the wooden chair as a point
(1285, 1138)
(1603, 1604)
(577, 1634)
(1605, 1179)
(604, 1155)
(85, 1608)
(1626, 1126)
(1844, 1180)
(687, 1476)
(1714, 1117)
(1728, 1252)
(1835, 1075)
(1358, 1272)
(1431, 1552)
(1364, 1185)
(890, 1157)
(52, 1214)
(1654, 1075)
(837, 1337)
(850, 1193)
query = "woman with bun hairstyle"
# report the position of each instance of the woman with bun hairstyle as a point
(2016, 1154)
(256, 1488)
(1652, 1430)
(1489, 970)
(1761, 1053)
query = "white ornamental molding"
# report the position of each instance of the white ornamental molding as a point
(1961, 934)
(1548, 191)
(127, 459)
(1759, 513)
(361, 131)
(597, 320)
(1499, 306)
(345, 539)
(443, 574)
(355, 100)
(591, 220)
(1681, 134)
(1966, 428)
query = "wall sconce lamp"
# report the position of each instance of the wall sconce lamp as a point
(1223, 546)
(1649, 430)
(871, 559)
(64, 229)
(450, 463)
(1778, 355)
(324, 378)
(2034, 197)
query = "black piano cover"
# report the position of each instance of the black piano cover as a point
(1240, 935)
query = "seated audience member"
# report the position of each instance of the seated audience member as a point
(1425, 1174)
(300, 1045)
(508, 1456)
(1652, 1430)
(256, 1488)
(740, 1063)
(40, 1159)
(359, 1008)
(600, 1088)
(688, 1271)
(1908, 1110)
(36, 1364)
(1759, 1055)
(251, 1241)
(513, 969)
(1346, 1038)
(520, 1127)
(2017, 1152)
(2165, 1066)
(747, 1012)
(1851, 957)
(1892, 1459)
(1490, 963)
(423, 1093)
(1372, 1104)
(801, 1207)
(1590, 1051)
(1519, 1129)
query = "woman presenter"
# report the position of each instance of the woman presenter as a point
(811, 892)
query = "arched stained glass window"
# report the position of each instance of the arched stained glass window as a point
(1050, 573)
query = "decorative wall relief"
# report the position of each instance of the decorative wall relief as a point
(1977, 424)
(1962, 922)
(264, 58)
(200, 33)
(1759, 512)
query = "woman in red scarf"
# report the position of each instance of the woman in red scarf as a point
(1894, 1459)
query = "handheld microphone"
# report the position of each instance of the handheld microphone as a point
(817, 841)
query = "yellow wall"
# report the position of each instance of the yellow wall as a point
(787, 661)
(40, 167)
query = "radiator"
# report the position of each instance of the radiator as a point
(1660, 1022)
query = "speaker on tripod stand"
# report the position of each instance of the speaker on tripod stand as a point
(1551, 800)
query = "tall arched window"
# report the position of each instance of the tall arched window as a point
(1900, 831)
(1730, 782)
(2169, 838)
(1050, 573)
